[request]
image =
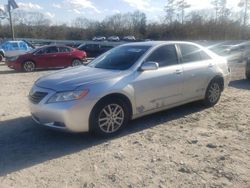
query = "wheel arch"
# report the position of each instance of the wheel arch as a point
(26, 61)
(2, 53)
(219, 78)
(116, 96)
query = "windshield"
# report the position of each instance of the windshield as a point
(34, 50)
(120, 58)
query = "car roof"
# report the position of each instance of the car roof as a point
(11, 41)
(55, 45)
(157, 43)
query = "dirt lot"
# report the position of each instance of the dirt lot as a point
(188, 146)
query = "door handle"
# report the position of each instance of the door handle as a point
(178, 71)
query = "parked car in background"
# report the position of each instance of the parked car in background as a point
(14, 48)
(128, 82)
(94, 50)
(248, 68)
(73, 44)
(239, 52)
(47, 57)
(99, 38)
(114, 38)
(129, 38)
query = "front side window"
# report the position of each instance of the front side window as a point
(51, 50)
(40, 51)
(15, 45)
(120, 58)
(164, 56)
(191, 53)
(23, 46)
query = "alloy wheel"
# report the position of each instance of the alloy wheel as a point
(214, 92)
(29, 66)
(111, 118)
(76, 62)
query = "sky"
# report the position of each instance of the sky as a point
(63, 11)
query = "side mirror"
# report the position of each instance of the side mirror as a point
(149, 66)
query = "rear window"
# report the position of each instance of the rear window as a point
(64, 49)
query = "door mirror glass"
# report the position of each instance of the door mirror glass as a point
(150, 65)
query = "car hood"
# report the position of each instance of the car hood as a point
(72, 78)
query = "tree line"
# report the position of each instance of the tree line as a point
(179, 22)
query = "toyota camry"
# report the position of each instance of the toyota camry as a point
(128, 82)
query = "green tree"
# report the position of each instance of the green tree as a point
(170, 10)
(182, 5)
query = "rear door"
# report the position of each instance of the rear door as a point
(197, 67)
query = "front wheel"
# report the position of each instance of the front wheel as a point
(76, 62)
(213, 93)
(109, 117)
(29, 66)
(1, 57)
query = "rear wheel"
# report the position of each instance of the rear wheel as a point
(109, 117)
(76, 62)
(29, 66)
(213, 93)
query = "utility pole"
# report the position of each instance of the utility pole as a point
(11, 5)
(11, 23)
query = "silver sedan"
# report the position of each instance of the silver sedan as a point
(128, 82)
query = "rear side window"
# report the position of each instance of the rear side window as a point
(64, 49)
(165, 56)
(191, 53)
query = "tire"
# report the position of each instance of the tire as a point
(248, 70)
(1, 57)
(213, 93)
(105, 124)
(29, 66)
(76, 62)
(248, 75)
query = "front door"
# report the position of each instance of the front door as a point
(162, 87)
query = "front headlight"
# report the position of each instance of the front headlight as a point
(68, 96)
(13, 58)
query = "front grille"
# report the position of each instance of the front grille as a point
(37, 97)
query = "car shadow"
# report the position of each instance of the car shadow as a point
(240, 84)
(24, 144)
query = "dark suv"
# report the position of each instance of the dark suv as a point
(248, 68)
(94, 50)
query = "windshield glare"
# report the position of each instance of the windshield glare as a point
(119, 58)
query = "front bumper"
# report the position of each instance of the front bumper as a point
(14, 65)
(227, 79)
(69, 116)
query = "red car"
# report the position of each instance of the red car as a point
(47, 57)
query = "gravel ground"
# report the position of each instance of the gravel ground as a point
(188, 146)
